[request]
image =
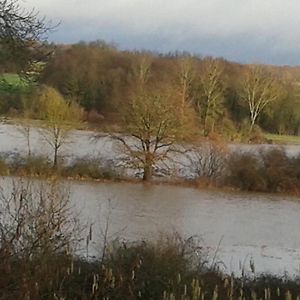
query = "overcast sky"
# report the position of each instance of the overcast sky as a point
(266, 31)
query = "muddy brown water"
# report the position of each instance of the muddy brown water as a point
(237, 226)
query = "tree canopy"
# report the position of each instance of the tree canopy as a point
(22, 35)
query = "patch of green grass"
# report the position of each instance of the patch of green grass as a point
(283, 139)
(13, 79)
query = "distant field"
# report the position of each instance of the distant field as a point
(283, 139)
(13, 79)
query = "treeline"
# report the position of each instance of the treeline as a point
(102, 79)
(228, 98)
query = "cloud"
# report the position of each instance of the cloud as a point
(237, 29)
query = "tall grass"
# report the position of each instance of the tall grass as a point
(140, 270)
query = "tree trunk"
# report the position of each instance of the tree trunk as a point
(28, 144)
(251, 125)
(148, 167)
(55, 157)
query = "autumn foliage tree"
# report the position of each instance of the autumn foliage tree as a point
(59, 116)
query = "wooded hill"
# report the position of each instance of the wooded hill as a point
(227, 98)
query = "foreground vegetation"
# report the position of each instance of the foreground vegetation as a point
(142, 270)
(44, 255)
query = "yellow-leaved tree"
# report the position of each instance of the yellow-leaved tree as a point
(59, 117)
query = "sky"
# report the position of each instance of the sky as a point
(246, 31)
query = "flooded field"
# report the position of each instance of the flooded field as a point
(237, 227)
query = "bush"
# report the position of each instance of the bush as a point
(244, 172)
(31, 165)
(278, 171)
(265, 171)
(254, 136)
(89, 168)
(208, 161)
(38, 235)
(139, 271)
(4, 168)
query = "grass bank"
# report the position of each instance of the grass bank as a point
(282, 139)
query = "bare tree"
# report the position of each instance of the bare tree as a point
(153, 125)
(186, 76)
(208, 160)
(142, 72)
(25, 124)
(210, 104)
(259, 89)
(37, 229)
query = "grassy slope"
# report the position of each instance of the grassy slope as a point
(283, 139)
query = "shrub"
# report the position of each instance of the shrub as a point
(31, 165)
(89, 168)
(4, 168)
(278, 170)
(266, 171)
(208, 161)
(38, 235)
(244, 172)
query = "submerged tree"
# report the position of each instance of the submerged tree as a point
(152, 123)
(153, 120)
(25, 124)
(59, 117)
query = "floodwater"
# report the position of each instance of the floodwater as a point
(84, 144)
(237, 227)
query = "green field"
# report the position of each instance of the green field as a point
(283, 139)
(13, 79)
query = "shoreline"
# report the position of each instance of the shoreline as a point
(192, 184)
(107, 128)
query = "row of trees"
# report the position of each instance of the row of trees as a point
(224, 95)
(99, 77)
